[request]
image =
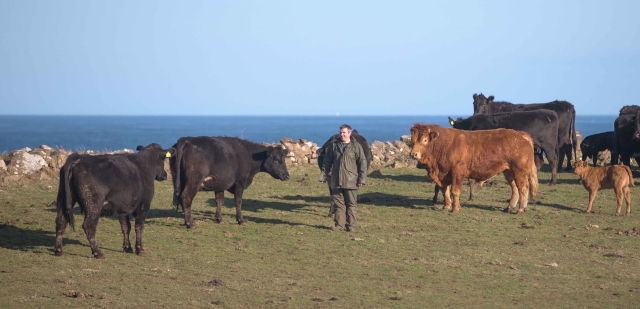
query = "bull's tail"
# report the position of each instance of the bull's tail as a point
(65, 198)
(533, 182)
(631, 181)
(177, 186)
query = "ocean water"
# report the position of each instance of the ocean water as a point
(105, 133)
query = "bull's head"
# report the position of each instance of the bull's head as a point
(636, 133)
(156, 156)
(481, 103)
(275, 164)
(421, 136)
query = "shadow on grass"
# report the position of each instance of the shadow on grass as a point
(575, 181)
(556, 206)
(16, 238)
(404, 178)
(392, 200)
(282, 222)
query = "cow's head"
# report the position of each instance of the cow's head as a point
(636, 133)
(155, 156)
(481, 103)
(580, 167)
(274, 163)
(421, 136)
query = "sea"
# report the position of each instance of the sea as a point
(108, 133)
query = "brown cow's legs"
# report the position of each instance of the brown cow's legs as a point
(508, 175)
(619, 194)
(592, 196)
(219, 204)
(456, 187)
(125, 227)
(627, 197)
(446, 195)
(522, 183)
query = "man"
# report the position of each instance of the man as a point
(346, 167)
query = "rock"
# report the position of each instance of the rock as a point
(10, 178)
(24, 163)
(3, 166)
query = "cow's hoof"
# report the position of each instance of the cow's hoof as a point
(127, 250)
(58, 253)
(506, 210)
(446, 208)
(99, 256)
(139, 251)
(520, 212)
(243, 222)
(219, 220)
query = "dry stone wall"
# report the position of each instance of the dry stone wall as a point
(44, 162)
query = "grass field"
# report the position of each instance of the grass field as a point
(406, 252)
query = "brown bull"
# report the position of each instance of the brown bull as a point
(452, 155)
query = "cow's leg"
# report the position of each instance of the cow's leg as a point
(91, 218)
(61, 226)
(188, 193)
(219, 204)
(510, 178)
(619, 196)
(522, 184)
(435, 195)
(456, 188)
(472, 189)
(332, 205)
(125, 226)
(446, 195)
(592, 197)
(627, 197)
(237, 198)
(553, 164)
(141, 214)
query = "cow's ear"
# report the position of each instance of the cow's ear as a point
(475, 95)
(490, 99)
(433, 135)
(140, 147)
(451, 121)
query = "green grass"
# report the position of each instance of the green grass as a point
(406, 252)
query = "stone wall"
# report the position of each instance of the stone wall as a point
(45, 162)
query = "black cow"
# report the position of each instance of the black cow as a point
(219, 164)
(336, 137)
(565, 110)
(626, 131)
(120, 182)
(593, 144)
(542, 126)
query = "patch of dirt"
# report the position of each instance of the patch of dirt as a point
(76, 294)
(214, 282)
(525, 226)
(614, 255)
(599, 247)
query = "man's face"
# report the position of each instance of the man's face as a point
(345, 135)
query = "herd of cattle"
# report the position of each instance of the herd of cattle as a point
(500, 137)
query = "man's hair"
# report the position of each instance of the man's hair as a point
(346, 126)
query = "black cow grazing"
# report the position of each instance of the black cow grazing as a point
(626, 131)
(336, 137)
(121, 182)
(542, 126)
(219, 164)
(593, 144)
(565, 110)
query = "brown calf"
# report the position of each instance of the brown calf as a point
(616, 177)
(450, 155)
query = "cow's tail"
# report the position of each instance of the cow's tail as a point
(574, 138)
(65, 198)
(631, 181)
(177, 186)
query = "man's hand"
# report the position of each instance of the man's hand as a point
(322, 178)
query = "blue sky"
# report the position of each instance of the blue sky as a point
(314, 57)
